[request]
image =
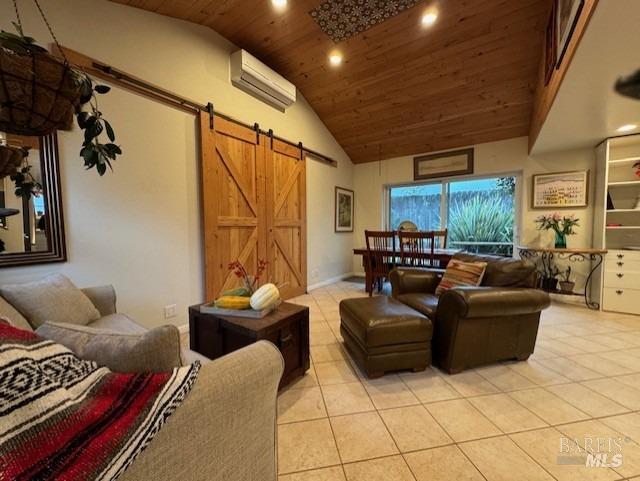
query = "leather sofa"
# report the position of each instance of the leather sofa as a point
(495, 321)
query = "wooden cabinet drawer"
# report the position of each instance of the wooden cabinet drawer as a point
(622, 265)
(619, 299)
(620, 255)
(622, 278)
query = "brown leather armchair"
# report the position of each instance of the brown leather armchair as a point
(472, 326)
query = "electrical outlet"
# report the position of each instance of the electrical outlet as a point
(169, 311)
(314, 273)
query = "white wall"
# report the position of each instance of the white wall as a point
(139, 227)
(508, 156)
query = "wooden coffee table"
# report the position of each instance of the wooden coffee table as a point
(287, 328)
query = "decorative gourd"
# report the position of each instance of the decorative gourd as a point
(238, 291)
(265, 297)
(233, 302)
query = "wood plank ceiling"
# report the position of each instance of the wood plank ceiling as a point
(402, 89)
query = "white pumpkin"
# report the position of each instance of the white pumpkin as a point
(265, 297)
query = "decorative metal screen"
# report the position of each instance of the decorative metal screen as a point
(341, 19)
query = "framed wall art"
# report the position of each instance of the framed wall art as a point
(444, 164)
(567, 14)
(344, 210)
(561, 189)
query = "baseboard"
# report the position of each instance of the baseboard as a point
(183, 329)
(329, 281)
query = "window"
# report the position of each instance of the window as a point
(479, 213)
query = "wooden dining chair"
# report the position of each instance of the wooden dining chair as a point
(417, 248)
(440, 238)
(381, 257)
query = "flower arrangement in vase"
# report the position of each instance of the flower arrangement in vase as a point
(249, 282)
(562, 225)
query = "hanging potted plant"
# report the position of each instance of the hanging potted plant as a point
(11, 159)
(40, 94)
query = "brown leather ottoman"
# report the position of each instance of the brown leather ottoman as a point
(385, 335)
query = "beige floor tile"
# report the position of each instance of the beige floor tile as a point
(442, 464)
(504, 378)
(601, 365)
(300, 405)
(506, 413)
(470, 383)
(570, 369)
(335, 372)
(325, 474)
(618, 391)
(541, 353)
(547, 406)
(428, 386)
(306, 445)
(461, 420)
(362, 436)
(322, 337)
(349, 398)
(538, 374)
(413, 428)
(610, 342)
(308, 380)
(544, 446)
(632, 380)
(588, 401)
(594, 430)
(632, 337)
(389, 393)
(587, 345)
(328, 352)
(627, 424)
(499, 459)
(559, 347)
(393, 468)
(629, 358)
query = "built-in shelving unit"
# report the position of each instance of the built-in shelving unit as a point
(617, 224)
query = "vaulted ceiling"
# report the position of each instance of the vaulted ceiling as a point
(402, 89)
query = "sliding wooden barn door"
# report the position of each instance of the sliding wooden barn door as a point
(233, 185)
(286, 217)
(254, 207)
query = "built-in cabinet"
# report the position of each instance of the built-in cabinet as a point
(617, 224)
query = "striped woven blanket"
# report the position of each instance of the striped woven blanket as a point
(64, 418)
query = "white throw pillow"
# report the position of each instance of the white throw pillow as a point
(54, 298)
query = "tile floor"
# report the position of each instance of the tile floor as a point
(501, 422)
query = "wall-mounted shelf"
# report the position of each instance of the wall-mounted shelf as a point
(626, 182)
(623, 227)
(628, 160)
(613, 211)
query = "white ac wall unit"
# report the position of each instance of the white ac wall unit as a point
(251, 75)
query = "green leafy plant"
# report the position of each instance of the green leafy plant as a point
(482, 218)
(94, 152)
(26, 184)
(566, 275)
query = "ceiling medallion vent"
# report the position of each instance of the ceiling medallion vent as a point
(342, 19)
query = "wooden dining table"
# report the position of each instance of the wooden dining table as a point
(441, 256)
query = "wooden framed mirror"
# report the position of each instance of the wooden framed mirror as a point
(33, 230)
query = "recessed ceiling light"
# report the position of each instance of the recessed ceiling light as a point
(628, 128)
(335, 58)
(279, 4)
(429, 18)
